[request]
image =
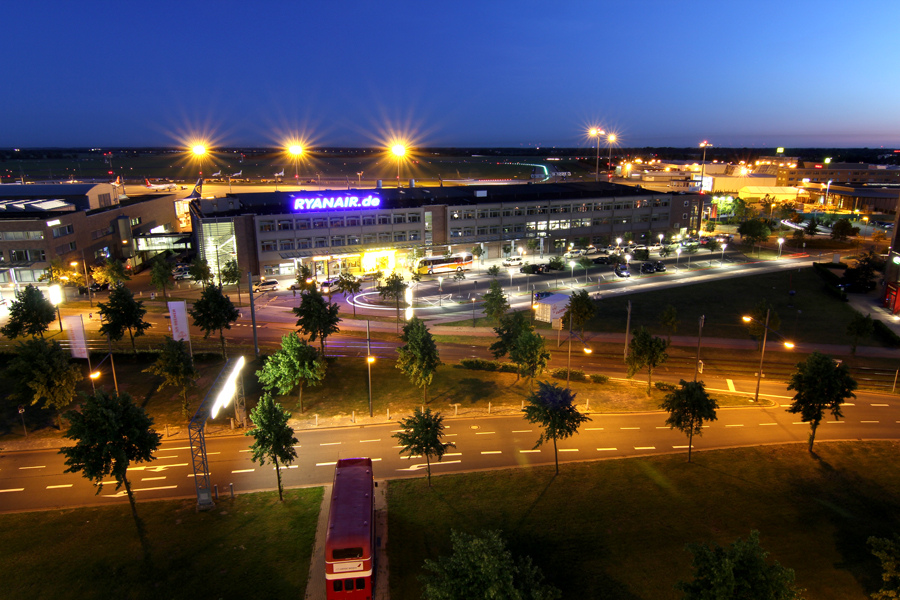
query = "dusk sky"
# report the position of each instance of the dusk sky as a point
(485, 73)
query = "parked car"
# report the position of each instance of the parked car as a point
(603, 259)
(269, 285)
(181, 275)
(99, 287)
(857, 287)
(660, 266)
(329, 286)
(574, 253)
(648, 267)
(622, 271)
(541, 295)
(531, 269)
(512, 261)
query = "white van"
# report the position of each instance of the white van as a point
(266, 286)
(512, 261)
(329, 286)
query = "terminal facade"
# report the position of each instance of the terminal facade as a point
(385, 229)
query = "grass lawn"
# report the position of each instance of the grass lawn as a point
(617, 528)
(250, 547)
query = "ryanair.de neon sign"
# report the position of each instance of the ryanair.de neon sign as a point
(336, 202)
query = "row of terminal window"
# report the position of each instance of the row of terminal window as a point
(585, 207)
(340, 240)
(348, 221)
(347, 585)
(533, 226)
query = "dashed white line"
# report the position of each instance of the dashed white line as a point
(645, 447)
(37, 467)
(452, 454)
(282, 467)
(243, 450)
(328, 464)
(836, 422)
(56, 487)
(879, 405)
(244, 471)
(178, 448)
(152, 478)
(784, 405)
(492, 452)
(764, 424)
(849, 404)
(662, 427)
(521, 431)
(368, 441)
(606, 449)
(680, 447)
(330, 444)
(593, 429)
(208, 454)
(399, 446)
(164, 457)
(629, 427)
(735, 425)
(798, 423)
(568, 449)
(165, 487)
(450, 434)
(869, 421)
(484, 432)
(12, 490)
(529, 451)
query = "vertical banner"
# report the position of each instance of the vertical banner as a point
(178, 318)
(75, 326)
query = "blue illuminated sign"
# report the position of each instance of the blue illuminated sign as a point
(336, 202)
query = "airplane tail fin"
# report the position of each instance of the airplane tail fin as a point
(146, 182)
(198, 189)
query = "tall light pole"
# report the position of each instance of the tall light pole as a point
(780, 243)
(762, 354)
(296, 151)
(56, 299)
(677, 256)
(596, 132)
(440, 291)
(87, 283)
(610, 140)
(699, 337)
(587, 350)
(369, 360)
(704, 144)
(399, 151)
(722, 261)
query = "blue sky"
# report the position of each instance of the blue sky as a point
(487, 73)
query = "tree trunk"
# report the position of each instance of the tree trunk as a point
(278, 474)
(812, 434)
(184, 404)
(690, 441)
(354, 308)
(556, 456)
(428, 467)
(142, 535)
(165, 294)
(239, 292)
(222, 337)
(133, 348)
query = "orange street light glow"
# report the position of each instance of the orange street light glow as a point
(95, 374)
(747, 319)
(199, 150)
(370, 359)
(399, 150)
(295, 149)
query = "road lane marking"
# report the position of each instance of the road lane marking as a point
(330, 444)
(606, 449)
(800, 423)
(453, 454)
(521, 431)
(434, 464)
(376, 459)
(165, 457)
(243, 450)
(397, 430)
(244, 471)
(833, 422)
(12, 490)
(484, 432)
(529, 451)
(156, 468)
(121, 493)
(399, 446)
(211, 453)
(645, 447)
(408, 457)
(568, 449)
(730, 385)
(56, 487)
(591, 429)
(450, 434)
(738, 425)
(152, 478)
(662, 427)
(178, 448)
(784, 405)
(868, 421)
(764, 424)
(367, 441)
(492, 452)
(40, 467)
(629, 427)
(327, 464)
(849, 404)
(280, 467)
(879, 405)
(680, 447)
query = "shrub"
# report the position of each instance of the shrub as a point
(664, 387)
(508, 368)
(479, 364)
(885, 334)
(597, 378)
(574, 374)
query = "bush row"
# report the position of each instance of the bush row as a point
(479, 364)
(831, 279)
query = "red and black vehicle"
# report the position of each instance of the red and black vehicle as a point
(350, 540)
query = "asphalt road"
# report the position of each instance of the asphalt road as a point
(33, 480)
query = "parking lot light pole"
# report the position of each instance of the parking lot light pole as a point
(722, 261)
(762, 354)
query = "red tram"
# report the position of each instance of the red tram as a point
(350, 540)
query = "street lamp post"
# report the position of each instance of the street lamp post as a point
(677, 257)
(596, 132)
(473, 312)
(618, 243)
(610, 139)
(399, 151)
(704, 144)
(87, 283)
(96, 374)
(722, 261)
(440, 291)
(587, 350)
(572, 264)
(780, 243)
(699, 337)
(56, 299)
(369, 360)
(762, 354)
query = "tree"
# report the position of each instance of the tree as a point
(754, 231)
(712, 246)
(349, 285)
(458, 277)
(478, 252)
(668, 318)
(557, 263)
(112, 272)
(863, 270)
(582, 310)
(493, 270)
(41, 372)
(646, 351)
(421, 435)
(200, 271)
(122, 313)
(689, 407)
(860, 327)
(305, 280)
(111, 433)
(393, 289)
(62, 273)
(757, 324)
(29, 314)
(532, 244)
(738, 572)
(821, 385)
(274, 437)
(887, 551)
(176, 367)
(530, 354)
(494, 303)
(317, 317)
(482, 567)
(553, 407)
(842, 229)
(214, 311)
(161, 276)
(710, 226)
(231, 273)
(296, 363)
(511, 326)
(799, 235)
(812, 227)
(586, 263)
(419, 358)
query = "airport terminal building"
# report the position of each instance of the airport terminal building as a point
(366, 230)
